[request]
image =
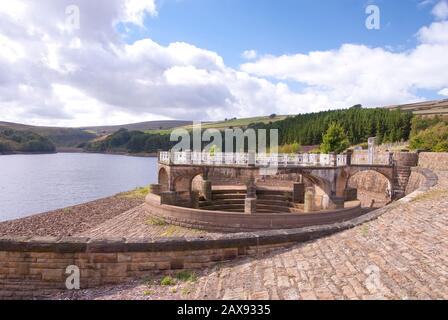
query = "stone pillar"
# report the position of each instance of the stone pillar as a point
(251, 159)
(188, 157)
(298, 192)
(325, 202)
(171, 157)
(155, 189)
(309, 200)
(250, 205)
(333, 159)
(207, 190)
(251, 188)
(194, 199)
(371, 144)
(168, 198)
(349, 157)
(318, 202)
(391, 158)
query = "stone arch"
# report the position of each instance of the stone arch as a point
(196, 182)
(182, 186)
(164, 180)
(318, 182)
(371, 185)
(341, 183)
(322, 188)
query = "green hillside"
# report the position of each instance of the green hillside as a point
(60, 137)
(141, 126)
(358, 123)
(12, 141)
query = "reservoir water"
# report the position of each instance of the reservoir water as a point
(31, 184)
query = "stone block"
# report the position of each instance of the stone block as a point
(168, 198)
(309, 200)
(156, 189)
(298, 193)
(207, 190)
(250, 205)
(53, 275)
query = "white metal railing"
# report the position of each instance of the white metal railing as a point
(259, 159)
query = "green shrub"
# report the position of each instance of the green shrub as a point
(433, 139)
(187, 276)
(290, 148)
(168, 281)
(335, 140)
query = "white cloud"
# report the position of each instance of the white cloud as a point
(440, 10)
(90, 76)
(360, 74)
(443, 92)
(436, 33)
(250, 54)
(135, 10)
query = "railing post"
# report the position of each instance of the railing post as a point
(188, 157)
(333, 159)
(349, 157)
(251, 159)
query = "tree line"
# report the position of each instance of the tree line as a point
(358, 123)
(24, 141)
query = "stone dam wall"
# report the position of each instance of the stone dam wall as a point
(35, 267)
(434, 161)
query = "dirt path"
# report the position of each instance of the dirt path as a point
(72, 220)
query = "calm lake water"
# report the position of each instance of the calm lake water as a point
(31, 184)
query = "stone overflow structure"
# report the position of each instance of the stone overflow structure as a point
(304, 198)
(244, 192)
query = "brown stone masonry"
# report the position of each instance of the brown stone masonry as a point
(35, 267)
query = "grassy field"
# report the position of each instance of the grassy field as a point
(232, 123)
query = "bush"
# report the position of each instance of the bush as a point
(433, 139)
(290, 148)
(335, 140)
(168, 281)
(4, 147)
(187, 276)
(25, 141)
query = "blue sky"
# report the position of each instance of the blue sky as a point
(230, 27)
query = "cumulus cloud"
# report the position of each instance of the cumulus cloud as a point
(249, 54)
(54, 75)
(443, 92)
(371, 76)
(440, 11)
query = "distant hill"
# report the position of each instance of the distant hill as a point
(240, 123)
(103, 138)
(61, 137)
(12, 141)
(141, 126)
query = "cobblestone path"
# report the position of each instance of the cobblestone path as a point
(402, 255)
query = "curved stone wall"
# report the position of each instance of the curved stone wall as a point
(221, 221)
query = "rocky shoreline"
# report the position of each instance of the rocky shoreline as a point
(72, 220)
